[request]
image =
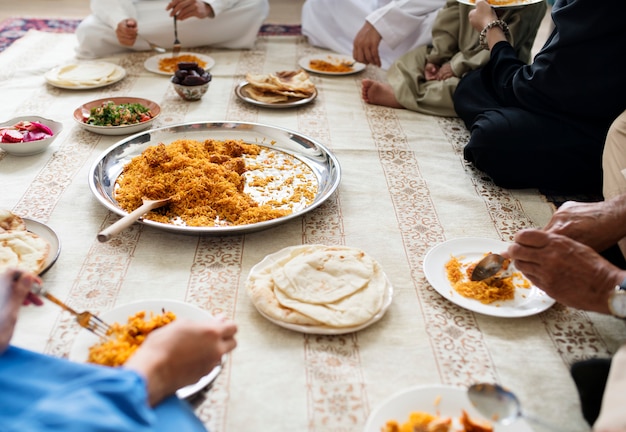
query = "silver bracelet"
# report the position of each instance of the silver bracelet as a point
(495, 23)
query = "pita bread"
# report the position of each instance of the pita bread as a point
(19, 248)
(22, 250)
(85, 74)
(9, 221)
(289, 84)
(332, 286)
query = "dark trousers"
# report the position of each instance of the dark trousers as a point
(518, 148)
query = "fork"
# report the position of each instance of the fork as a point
(85, 319)
(176, 48)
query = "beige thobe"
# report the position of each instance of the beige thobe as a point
(456, 41)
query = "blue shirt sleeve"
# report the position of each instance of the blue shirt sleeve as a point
(43, 393)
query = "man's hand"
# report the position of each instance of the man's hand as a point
(366, 42)
(184, 9)
(599, 225)
(126, 32)
(568, 271)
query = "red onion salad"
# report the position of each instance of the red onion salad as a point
(24, 131)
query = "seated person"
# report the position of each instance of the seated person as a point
(372, 31)
(564, 260)
(424, 79)
(543, 125)
(43, 393)
(118, 26)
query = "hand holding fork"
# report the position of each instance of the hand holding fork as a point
(85, 319)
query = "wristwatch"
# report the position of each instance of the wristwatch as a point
(617, 301)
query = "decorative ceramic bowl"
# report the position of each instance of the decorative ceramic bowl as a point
(31, 147)
(191, 93)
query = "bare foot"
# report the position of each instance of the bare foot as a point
(377, 93)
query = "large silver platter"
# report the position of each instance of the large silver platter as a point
(104, 172)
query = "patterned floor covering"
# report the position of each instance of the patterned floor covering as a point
(14, 28)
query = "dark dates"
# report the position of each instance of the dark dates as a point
(190, 74)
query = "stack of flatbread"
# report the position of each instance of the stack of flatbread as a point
(280, 86)
(89, 74)
(20, 248)
(317, 285)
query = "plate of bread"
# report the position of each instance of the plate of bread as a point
(26, 244)
(320, 289)
(283, 89)
(85, 75)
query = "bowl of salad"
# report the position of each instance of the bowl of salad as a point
(117, 115)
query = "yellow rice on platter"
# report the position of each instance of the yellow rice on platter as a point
(486, 291)
(203, 178)
(126, 338)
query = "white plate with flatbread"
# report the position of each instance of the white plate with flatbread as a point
(320, 289)
(242, 93)
(48, 234)
(356, 67)
(527, 301)
(152, 63)
(502, 3)
(27, 244)
(85, 75)
(85, 339)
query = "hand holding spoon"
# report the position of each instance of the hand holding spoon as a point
(500, 405)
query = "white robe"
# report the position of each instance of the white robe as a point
(235, 25)
(403, 24)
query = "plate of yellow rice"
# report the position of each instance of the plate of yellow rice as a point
(131, 323)
(447, 267)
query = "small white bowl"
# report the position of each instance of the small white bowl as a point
(191, 93)
(31, 147)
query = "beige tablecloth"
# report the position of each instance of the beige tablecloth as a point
(405, 188)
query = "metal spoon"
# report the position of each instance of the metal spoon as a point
(487, 267)
(153, 45)
(106, 234)
(500, 405)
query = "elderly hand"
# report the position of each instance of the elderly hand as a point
(482, 15)
(126, 32)
(366, 42)
(184, 9)
(568, 271)
(599, 225)
(15, 289)
(180, 353)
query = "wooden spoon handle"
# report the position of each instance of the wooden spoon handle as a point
(126, 221)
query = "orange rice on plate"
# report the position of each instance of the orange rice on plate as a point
(486, 291)
(420, 421)
(169, 64)
(126, 338)
(326, 66)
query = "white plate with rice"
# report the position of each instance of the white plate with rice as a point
(527, 301)
(85, 339)
(439, 400)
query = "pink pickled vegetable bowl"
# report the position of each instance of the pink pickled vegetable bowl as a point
(28, 135)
